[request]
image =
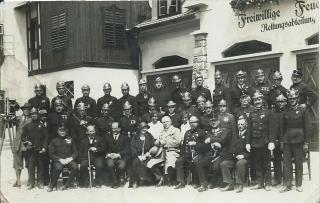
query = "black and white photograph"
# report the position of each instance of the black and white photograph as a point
(162, 101)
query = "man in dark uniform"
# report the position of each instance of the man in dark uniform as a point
(92, 146)
(66, 101)
(103, 123)
(107, 98)
(241, 87)
(260, 141)
(200, 90)
(142, 98)
(205, 119)
(79, 122)
(281, 104)
(40, 101)
(160, 94)
(193, 146)
(58, 117)
(62, 151)
(220, 91)
(276, 89)
(236, 159)
(90, 103)
(128, 122)
(117, 154)
(261, 84)
(307, 97)
(187, 105)
(179, 89)
(146, 117)
(201, 105)
(34, 135)
(295, 138)
(125, 89)
(173, 114)
(245, 108)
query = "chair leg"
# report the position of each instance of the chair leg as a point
(309, 167)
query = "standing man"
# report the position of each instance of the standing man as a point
(260, 141)
(205, 119)
(245, 107)
(241, 87)
(276, 89)
(103, 123)
(126, 97)
(142, 98)
(66, 101)
(129, 122)
(117, 154)
(226, 119)
(19, 149)
(160, 93)
(307, 97)
(90, 103)
(62, 151)
(173, 114)
(40, 101)
(152, 108)
(262, 85)
(200, 90)
(296, 135)
(220, 91)
(34, 136)
(187, 106)
(178, 91)
(107, 98)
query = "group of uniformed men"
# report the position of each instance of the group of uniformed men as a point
(186, 136)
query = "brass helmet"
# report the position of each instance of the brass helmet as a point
(241, 73)
(60, 84)
(176, 79)
(38, 86)
(105, 107)
(158, 79)
(171, 103)
(257, 94)
(293, 94)
(152, 102)
(277, 75)
(34, 110)
(58, 102)
(201, 99)
(142, 82)
(208, 104)
(218, 73)
(85, 87)
(106, 86)
(81, 106)
(281, 98)
(125, 86)
(126, 105)
(198, 75)
(186, 96)
(259, 72)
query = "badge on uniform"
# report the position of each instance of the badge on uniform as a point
(225, 119)
(297, 112)
(262, 116)
(133, 122)
(88, 106)
(43, 101)
(68, 141)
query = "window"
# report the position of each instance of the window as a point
(69, 88)
(248, 47)
(59, 30)
(314, 39)
(34, 38)
(114, 27)
(168, 8)
(169, 61)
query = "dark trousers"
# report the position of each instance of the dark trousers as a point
(238, 166)
(46, 169)
(116, 169)
(181, 163)
(57, 169)
(216, 171)
(295, 151)
(202, 164)
(35, 160)
(277, 164)
(98, 163)
(261, 162)
(139, 171)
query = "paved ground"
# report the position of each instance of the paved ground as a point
(152, 194)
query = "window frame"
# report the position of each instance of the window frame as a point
(178, 7)
(59, 31)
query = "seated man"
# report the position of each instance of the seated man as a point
(92, 146)
(62, 151)
(117, 148)
(236, 159)
(141, 143)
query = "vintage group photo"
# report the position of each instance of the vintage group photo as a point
(159, 101)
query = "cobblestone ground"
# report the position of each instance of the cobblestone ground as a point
(151, 194)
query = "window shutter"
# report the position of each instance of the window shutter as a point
(59, 30)
(114, 27)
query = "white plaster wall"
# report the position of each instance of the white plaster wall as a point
(172, 41)
(219, 21)
(94, 77)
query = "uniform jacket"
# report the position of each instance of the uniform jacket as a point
(175, 118)
(205, 122)
(55, 120)
(243, 111)
(121, 146)
(142, 102)
(103, 125)
(238, 145)
(306, 94)
(85, 144)
(274, 92)
(78, 131)
(66, 101)
(176, 95)
(41, 103)
(296, 125)
(196, 92)
(198, 135)
(90, 103)
(223, 136)
(227, 120)
(129, 124)
(111, 101)
(61, 148)
(132, 100)
(35, 133)
(161, 96)
(261, 128)
(237, 91)
(221, 92)
(21, 121)
(139, 147)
